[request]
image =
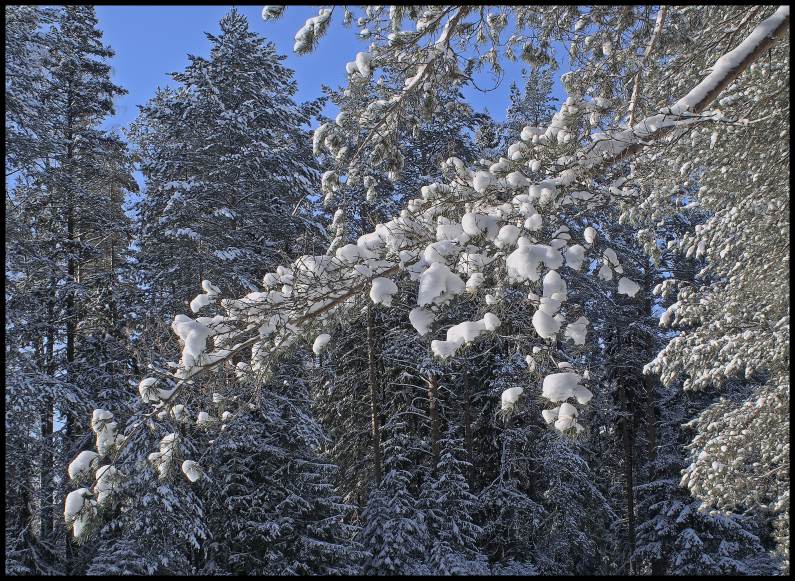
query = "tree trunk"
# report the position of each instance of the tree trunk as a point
(71, 315)
(626, 429)
(46, 467)
(468, 425)
(433, 399)
(375, 422)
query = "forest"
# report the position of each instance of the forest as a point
(247, 337)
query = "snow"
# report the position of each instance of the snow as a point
(320, 343)
(627, 287)
(202, 418)
(610, 255)
(167, 443)
(507, 236)
(545, 325)
(523, 263)
(448, 230)
(348, 253)
(729, 61)
(192, 470)
(531, 363)
(382, 291)
(516, 179)
(576, 331)
(553, 283)
(567, 415)
(421, 319)
(363, 64)
(575, 255)
(310, 29)
(561, 386)
(550, 306)
(440, 251)
(438, 285)
(463, 333)
(510, 396)
(550, 415)
(534, 222)
(474, 281)
(491, 322)
(74, 502)
(605, 272)
(202, 300)
(178, 411)
(82, 464)
(269, 12)
(471, 262)
(105, 428)
(475, 224)
(79, 509)
(150, 394)
(100, 417)
(481, 181)
(582, 394)
(107, 476)
(194, 336)
(199, 302)
(444, 349)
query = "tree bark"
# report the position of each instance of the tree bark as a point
(46, 467)
(375, 422)
(433, 399)
(468, 424)
(71, 310)
(629, 492)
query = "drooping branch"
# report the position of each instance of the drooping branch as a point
(725, 70)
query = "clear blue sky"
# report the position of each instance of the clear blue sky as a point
(152, 41)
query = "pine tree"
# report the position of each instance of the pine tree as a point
(576, 528)
(155, 521)
(271, 501)
(226, 163)
(62, 165)
(394, 531)
(534, 105)
(677, 534)
(450, 507)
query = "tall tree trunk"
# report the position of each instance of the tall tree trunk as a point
(626, 436)
(468, 424)
(71, 313)
(375, 422)
(649, 380)
(433, 404)
(47, 418)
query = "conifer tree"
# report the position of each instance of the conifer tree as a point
(394, 532)
(69, 179)
(226, 161)
(450, 507)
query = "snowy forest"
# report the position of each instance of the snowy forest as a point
(244, 337)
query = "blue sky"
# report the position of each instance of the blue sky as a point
(152, 41)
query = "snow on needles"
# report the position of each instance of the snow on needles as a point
(463, 333)
(320, 343)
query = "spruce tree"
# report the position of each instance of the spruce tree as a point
(226, 162)
(449, 508)
(69, 179)
(394, 531)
